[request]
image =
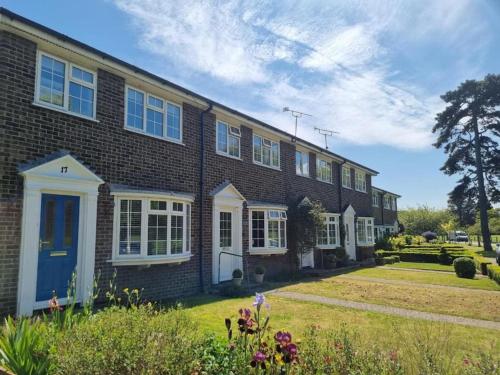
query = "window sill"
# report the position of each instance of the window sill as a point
(327, 247)
(325, 182)
(303, 175)
(145, 261)
(267, 166)
(360, 191)
(177, 142)
(62, 110)
(366, 244)
(347, 187)
(268, 251)
(228, 156)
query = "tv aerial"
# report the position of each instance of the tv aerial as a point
(297, 115)
(326, 133)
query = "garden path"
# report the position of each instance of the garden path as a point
(388, 310)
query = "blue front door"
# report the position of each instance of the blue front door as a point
(58, 246)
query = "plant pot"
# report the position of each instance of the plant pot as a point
(259, 278)
(237, 281)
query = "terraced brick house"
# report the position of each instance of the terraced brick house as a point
(105, 166)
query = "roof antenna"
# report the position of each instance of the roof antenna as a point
(295, 114)
(326, 133)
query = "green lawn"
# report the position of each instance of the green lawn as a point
(468, 303)
(428, 278)
(422, 266)
(386, 331)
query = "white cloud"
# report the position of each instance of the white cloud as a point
(337, 65)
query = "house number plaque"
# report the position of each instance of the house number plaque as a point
(64, 170)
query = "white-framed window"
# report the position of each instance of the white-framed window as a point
(323, 170)
(364, 230)
(65, 86)
(228, 139)
(387, 202)
(346, 177)
(302, 163)
(268, 229)
(151, 229)
(375, 198)
(266, 152)
(329, 235)
(149, 114)
(360, 181)
(393, 203)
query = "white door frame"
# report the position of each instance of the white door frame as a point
(348, 218)
(63, 175)
(227, 199)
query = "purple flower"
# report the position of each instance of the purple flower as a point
(283, 337)
(260, 299)
(259, 357)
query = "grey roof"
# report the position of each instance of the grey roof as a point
(14, 16)
(23, 167)
(219, 188)
(385, 191)
(118, 188)
(252, 203)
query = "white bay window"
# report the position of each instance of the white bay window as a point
(364, 231)
(328, 236)
(268, 231)
(151, 230)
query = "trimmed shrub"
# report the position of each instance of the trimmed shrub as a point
(419, 256)
(237, 274)
(482, 264)
(494, 272)
(464, 267)
(259, 270)
(444, 257)
(382, 244)
(379, 261)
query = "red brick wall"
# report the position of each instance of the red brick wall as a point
(28, 132)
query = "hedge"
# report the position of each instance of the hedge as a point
(482, 264)
(418, 256)
(494, 272)
(434, 246)
(387, 260)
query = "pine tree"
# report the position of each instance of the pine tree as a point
(468, 131)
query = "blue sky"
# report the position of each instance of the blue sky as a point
(371, 70)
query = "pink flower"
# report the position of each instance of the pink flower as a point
(259, 357)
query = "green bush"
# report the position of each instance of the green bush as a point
(444, 257)
(382, 244)
(237, 274)
(23, 349)
(464, 267)
(139, 340)
(482, 264)
(494, 273)
(259, 270)
(379, 261)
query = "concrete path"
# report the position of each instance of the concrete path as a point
(388, 310)
(493, 293)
